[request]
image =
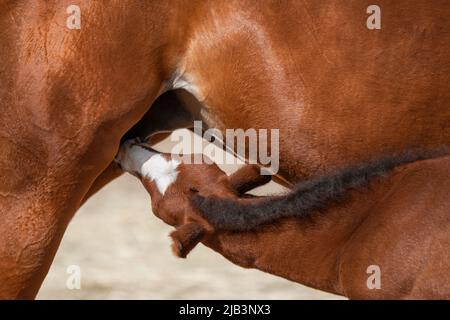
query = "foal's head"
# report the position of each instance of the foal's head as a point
(172, 183)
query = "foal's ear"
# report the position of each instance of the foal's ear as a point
(186, 237)
(247, 178)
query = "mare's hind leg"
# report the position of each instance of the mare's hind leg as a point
(67, 98)
(110, 173)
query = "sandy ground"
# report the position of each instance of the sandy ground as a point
(123, 252)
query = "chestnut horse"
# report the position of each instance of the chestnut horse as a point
(339, 92)
(390, 216)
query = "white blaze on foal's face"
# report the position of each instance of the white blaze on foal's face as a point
(138, 160)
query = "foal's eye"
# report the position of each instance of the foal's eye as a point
(194, 190)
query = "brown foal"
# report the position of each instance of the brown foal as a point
(398, 226)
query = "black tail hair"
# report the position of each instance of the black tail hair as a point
(307, 197)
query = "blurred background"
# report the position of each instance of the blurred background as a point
(123, 252)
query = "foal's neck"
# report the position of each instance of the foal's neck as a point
(304, 250)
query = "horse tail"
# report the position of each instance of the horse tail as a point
(312, 195)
